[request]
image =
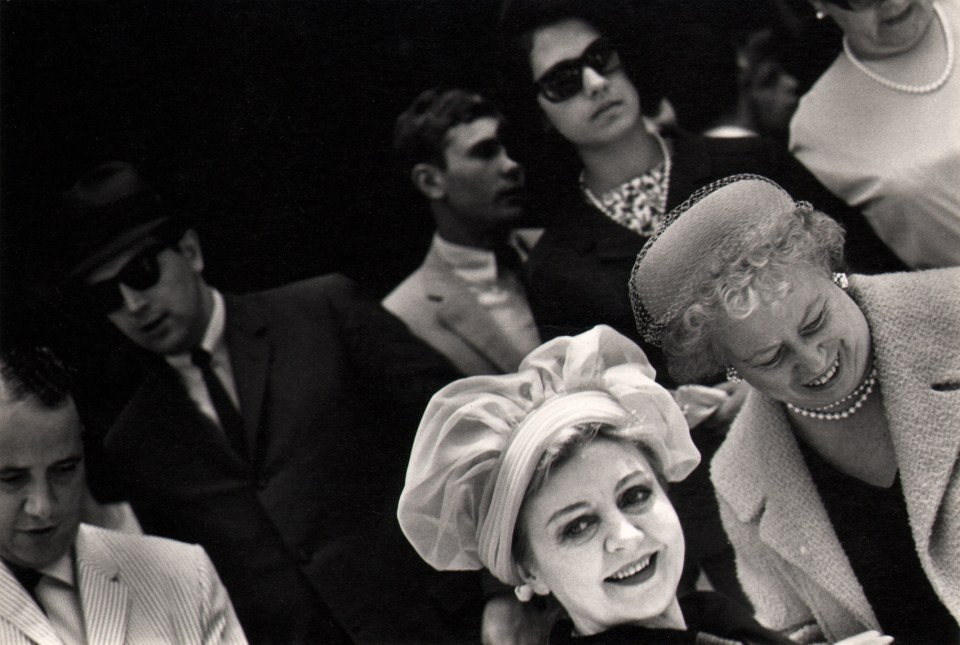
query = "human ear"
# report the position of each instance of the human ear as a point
(532, 580)
(428, 179)
(189, 248)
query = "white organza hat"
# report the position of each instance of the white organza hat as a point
(482, 437)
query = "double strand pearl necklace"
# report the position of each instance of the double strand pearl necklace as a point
(903, 87)
(665, 182)
(860, 394)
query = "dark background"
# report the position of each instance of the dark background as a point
(269, 122)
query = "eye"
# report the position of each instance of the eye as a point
(487, 149)
(13, 478)
(772, 361)
(66, 469)
(635, 497)
(816, 324)
(578, 527)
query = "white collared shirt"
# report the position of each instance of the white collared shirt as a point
(501, 295)
(213, 342)
(58, 593)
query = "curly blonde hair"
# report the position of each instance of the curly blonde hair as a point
(739, 278)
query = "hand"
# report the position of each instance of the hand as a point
(872, 637)
(507, 621)
(725, 414)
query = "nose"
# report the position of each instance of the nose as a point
(812, 357)
(509, 167)
(593, 81)
(133, 300)
(623, 532)
(40, 500)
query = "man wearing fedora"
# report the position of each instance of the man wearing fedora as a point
(272, 428)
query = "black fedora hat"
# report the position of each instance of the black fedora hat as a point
(108, 210)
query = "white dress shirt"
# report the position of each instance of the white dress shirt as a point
(213, 342)
(501, 295)
(60, 598)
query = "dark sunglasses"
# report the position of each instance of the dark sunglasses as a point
(565, 79)
(142, 271)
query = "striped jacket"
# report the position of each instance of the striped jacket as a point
(133, 589)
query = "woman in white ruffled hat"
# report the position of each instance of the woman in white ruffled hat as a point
(839, 482)
(554, 479)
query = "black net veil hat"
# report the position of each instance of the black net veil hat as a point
(715, 221)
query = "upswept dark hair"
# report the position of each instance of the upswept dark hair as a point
(631, 26)
(33, 372)
(421, 130)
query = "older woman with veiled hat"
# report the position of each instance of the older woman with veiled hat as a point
(554, 479)
(839, 482)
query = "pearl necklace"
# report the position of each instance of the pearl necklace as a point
(861, 393)
(667, 163)
(903, 87)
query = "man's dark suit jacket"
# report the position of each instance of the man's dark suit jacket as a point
(579, 270)
(331, 390)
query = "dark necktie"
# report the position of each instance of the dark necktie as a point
(230, 419)
(28, 579)
(508, 260)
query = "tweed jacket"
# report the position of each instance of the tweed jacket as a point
(438, 307)
(789, 559)
(331, 389)
(133, 589)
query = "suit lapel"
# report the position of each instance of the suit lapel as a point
(923, 400)
(103, 595)
(19, 609)
(458, 311)
(248, 342)
(792, 519)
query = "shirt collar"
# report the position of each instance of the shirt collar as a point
(212, 338)
(61, 569)
(471, 263)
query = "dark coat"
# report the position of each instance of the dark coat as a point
(331, 389)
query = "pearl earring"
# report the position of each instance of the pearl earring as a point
(840, 279)
(524, 593)
(732, 375)
(821, 15)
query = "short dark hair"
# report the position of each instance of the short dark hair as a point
(421, 130)
(33, 372)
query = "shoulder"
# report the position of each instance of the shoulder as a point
(933, 295)
(142, 560)
(160, 552)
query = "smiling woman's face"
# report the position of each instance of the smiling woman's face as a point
(604, 539)
(606, 106)
(887, 28)
(810, 348)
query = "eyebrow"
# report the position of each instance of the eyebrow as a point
(816, 304)
(566, 510)
(477, 146)
(572, 59)
(637, 476)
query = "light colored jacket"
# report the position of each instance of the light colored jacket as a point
(789, 559)
(439, 309)
(133, 589)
